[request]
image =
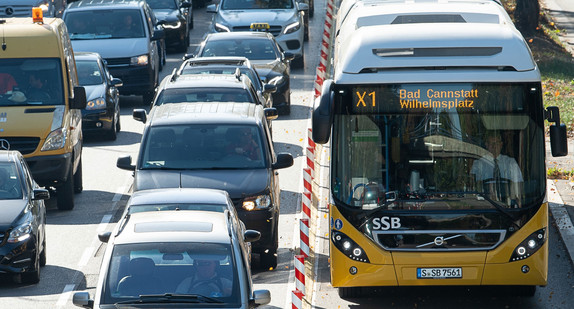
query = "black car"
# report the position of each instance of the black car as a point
(272, 64)
(177, 18)
(102, 113)
(22, 219)
(224, 146)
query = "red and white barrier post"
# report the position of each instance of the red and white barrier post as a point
(306, 204)
(297, 299)
(307, 187)
(304, 237)
(300, 273)
(322, 68)
(311, 161)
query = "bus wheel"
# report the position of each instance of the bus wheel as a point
(351, 292)
(65, 193)
(78, 181)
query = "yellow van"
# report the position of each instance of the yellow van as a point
(41, 102)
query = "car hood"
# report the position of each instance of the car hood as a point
(168, 15)
(95, 91)
(113, 48)
(246, 17)
(236, 182)
(11, 211)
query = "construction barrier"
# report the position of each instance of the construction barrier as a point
(300, 273)
(297, 299)
(306, 204)
(304, 237)
(307, 187)
(325, 54)
(311, 161)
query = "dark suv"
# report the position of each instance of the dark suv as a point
(223, 146)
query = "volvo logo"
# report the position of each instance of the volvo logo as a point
(4, 144)
(439, 241)
(9, 11)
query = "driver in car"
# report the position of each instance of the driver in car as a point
(206, 281)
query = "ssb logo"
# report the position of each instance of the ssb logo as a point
(386, 223)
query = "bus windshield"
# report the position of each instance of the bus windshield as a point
(438, 146)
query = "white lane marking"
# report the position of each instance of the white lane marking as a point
(104, 223)
(63, 299)
(86, 257)
(119, 194)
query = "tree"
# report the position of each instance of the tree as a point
(526, 15)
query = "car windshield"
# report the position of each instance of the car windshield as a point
(252, 49)
(31, 82)
(256, 4)
(224, 70)
(10, 183)
(176, 206)
(162, 4)
(104, 24)
(89, 72)
(206, 271)
(204, 95)
(203, 146)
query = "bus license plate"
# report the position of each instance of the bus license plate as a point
(439, 273)
(259, 26)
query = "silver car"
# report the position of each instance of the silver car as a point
(283, 18)
(23, 8)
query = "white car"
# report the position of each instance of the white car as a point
(283, 18)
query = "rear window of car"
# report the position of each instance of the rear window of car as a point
(204, 95)
(256, 4)
(252, 49)
(104, 24)
(203, 146)
(177, 206)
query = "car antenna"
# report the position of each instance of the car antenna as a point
(2, 22)
(238, 74)
(174, 75)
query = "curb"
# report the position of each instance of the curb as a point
(561, 217)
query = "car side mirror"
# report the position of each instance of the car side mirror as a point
(41, 194)
(116, 82)
(212, 8)
(270, 113)
(289, 55)
(261, 297)
(303, 7)
(284, 160)
(82, 299)
(80, 100)
(140, 115)
(104, 237)
(188, 56)
(251, 236)
(268, 88)
(125, 163)
(185, 5)
(158, 34)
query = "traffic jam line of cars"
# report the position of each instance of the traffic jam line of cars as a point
(206, 193)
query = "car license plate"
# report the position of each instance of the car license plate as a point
(439, 273)
(259, 26)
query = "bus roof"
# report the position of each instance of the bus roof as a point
(446, 40)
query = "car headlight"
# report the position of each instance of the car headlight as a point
(277, 80)
(292, 27)
(258, 202)
(98, 103)
(172, 25)
(55, 140)
(140, 60)
(221, 28)
(21, 232)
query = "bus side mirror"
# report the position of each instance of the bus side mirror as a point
(322, 118)
(558, 138)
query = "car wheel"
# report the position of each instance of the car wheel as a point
(299, 62)
(311, 8)
(191, 21)
(285, 110)
(268, 260)
(184, 44)
(118, 123)
(43, 253)
(32, 276)
(112, 134)
(306, 35)
(65, 193)
(78, 181)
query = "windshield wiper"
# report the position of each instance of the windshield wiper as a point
(499, 207)
(169, 298)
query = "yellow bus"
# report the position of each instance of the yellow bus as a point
(435, 121)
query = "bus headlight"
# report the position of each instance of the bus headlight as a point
(55, 140)
(348, 247)
(529, 246)
(257, 202)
